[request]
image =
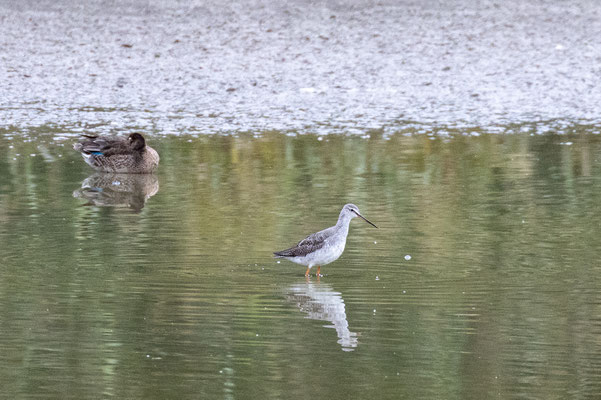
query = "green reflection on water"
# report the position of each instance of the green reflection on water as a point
(174, 294)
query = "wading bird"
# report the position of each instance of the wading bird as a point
(325, 246)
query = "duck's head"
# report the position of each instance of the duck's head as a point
(136, 141)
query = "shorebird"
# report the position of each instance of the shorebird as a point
(128, 155)
(325, 246)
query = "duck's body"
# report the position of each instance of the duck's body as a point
(117, 154)
(325, 246)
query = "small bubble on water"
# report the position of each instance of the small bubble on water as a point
(278, 262)
(407, 257)
(374, 310)
(375, 242)
(377, 278)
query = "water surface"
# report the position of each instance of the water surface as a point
(482, 280)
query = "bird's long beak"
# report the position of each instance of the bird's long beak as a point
(364, 219)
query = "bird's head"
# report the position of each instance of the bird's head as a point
(136, 141)
(351, 211)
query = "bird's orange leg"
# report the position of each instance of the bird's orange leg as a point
(307, 273)
(318, 270)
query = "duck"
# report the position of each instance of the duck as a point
(118, 154)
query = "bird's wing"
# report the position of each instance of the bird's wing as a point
(300, 250)
(308, 245)
(104, 145)
(318, 237)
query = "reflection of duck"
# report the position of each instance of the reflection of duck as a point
(320, 302)
(117, 154)
(118, 190)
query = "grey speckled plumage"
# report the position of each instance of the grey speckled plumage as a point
(325, 246)
(118, 154)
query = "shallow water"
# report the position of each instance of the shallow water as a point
(483, 279)
(467, 131)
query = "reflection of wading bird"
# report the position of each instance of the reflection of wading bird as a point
(128, 155)
(320, 302)
(325, 246)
